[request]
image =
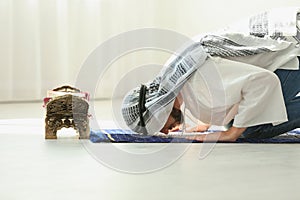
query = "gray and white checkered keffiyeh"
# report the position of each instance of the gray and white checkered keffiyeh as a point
(224, 47)
(159, 95)
(162, 91)
(278, 23)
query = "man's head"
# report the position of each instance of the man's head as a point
(146, 109)
(174, 121)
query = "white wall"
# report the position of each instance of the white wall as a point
(45, 42)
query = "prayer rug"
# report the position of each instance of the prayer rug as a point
(127, 136)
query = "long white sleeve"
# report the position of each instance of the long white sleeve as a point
(262, 101)
(223, 89)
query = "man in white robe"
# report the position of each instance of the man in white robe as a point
(249, 95)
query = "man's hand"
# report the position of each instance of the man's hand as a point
(198, 128)
(231, 135)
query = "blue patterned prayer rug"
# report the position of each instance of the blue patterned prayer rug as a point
(127, 136)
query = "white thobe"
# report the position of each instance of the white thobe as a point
(223, 89)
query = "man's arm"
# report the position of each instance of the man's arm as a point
(231, 135)
(261, 93)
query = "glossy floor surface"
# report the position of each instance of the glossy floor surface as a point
(34, 168)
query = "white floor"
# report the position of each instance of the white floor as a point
(34, 168)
